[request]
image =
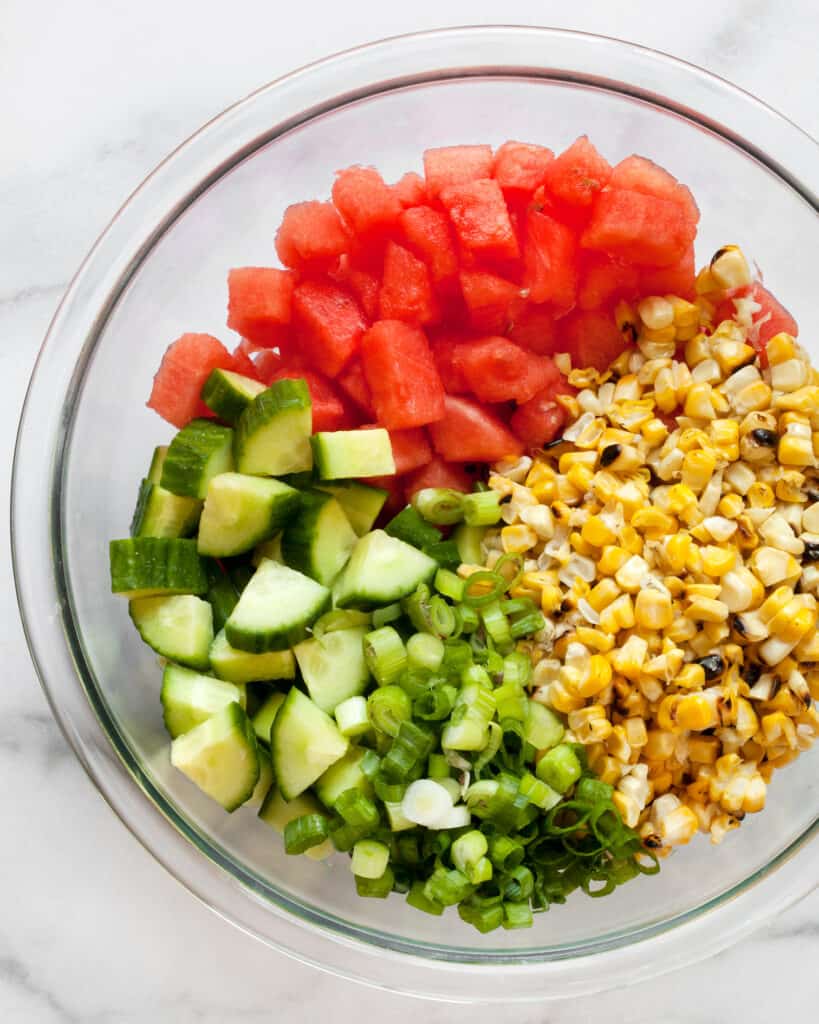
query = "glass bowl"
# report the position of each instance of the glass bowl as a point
(85, 435)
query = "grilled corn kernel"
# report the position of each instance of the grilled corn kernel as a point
(729, 268)
(698, 403)
(653, 523)
(596, 531)
(707, 609)
(654, 432)
(656, 313)
(653, 610)
(695, 711)
(580, 477)
(761, 496)
(806, 399)
(603, 593)
(518, 538)
(717, 561)
(731, 354)
(618, 615)
(780, 348)
(697, 469)
(611, 559)
(795, 451)
(690, 677)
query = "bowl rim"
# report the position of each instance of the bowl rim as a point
(293, 99)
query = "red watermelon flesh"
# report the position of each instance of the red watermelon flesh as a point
(428, 235)
(401, 374)
(493, 302)
(550, 261)
(776, 318)
(455, 165)
(260, 303)
(368, 205)
(540, 420)
(604, 280)
(406, 290)
(591, 338)
(438, 473)
(498, 370)
(535, 329)
(329, 324)
(353, 383)
(411, 190)
(362, 281)
(578, 174)
(470, 432)
(638, 228)
(678, 279)
(521, 168)
(410, 448)
(268, 364)
(480, 217)
(178, 383)
(242, 363)
(311, 236)
(637, 174)
(328, 409)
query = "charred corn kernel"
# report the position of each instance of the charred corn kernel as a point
(717, 561)
(598, 532)
(551, 598)
(731, 354)
(618, 615)
(692, 438)
(790, 485)
(656, 312)
(653, 523)
(698, 403)
(653, 610)
(630, 540)
(707, 609)
(697, 469)
(696, 712)
(729, 268)
(603, 593)
(611, 559)
(780, 348)
(518, 538)
(761, 496)
(563, 699)
(772, 566)
(627, 321)
(747, 722)
(654, 432)
(795, 451)
(724, 436)
(569, 459)
(777, 726)
(690, 677)
(594, 639)
(806, 399)
(659, 745)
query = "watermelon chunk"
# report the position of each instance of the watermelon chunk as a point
(479, 214)
(444, 347)
(268, 363)
(438, 473)
(550, 261)
(312, 236)
(469, 432)
(329, 324)
(368, 205)
(493, 302)
(242, 362)
(406, 290)
(185, 367)
(776, 318)
(428, 235)
(498, 370)
(455, 165)
(411, 190)
(638, 174)
(678, 279)
(540, 420)
(328, 409)
(520, 168)
(259, 303)
(353, 383)
(535, 329)
(363, 282)
(592, 338)
(639, 228)
(604, 279)
(401, 374)
(578, 174)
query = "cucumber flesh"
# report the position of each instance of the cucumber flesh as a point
(188, 698)
(159, 513)
(199, 452)
(242, 667)
(381, 569)
(265, 716)
(241, 511)
(341, 454)
(278, 812)
(344, 774)
(275, 609)
(157, 462)
(318, 543)
(220, 756)
(152, 566)
(265, 783)
(228, 394)
(273, 433)
(178, 627)
(333, 666)
(362, 503)
(268, 549)
(304, 742)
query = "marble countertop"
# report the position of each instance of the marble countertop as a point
(93, 95)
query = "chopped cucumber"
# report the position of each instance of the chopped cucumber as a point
(362, 503)
(221, 593)
(278, 812)
(273, 433)
(333, 666)
(340, 454)
(304, 742)
(266, 780)
(265, 716)
(153, 566)
(199, 452)
(468, 540)
(319, 542)
(275, 609)
(381, 570)
(228, 394)
(157, 462)
(343, 775)
(268, 549)
(221, 757)
(159, 513)
(241, 511)
(178, 627)
(242, 667)
(409, 527)
(188, 698)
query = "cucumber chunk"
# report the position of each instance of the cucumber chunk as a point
(278, 812)
(152, 566)
(157, 462)
(159, 513)
(179, 627)
(199, 452)
(188, 698)
(268, 549)
(241, 511)
(362, 503)
(266, 780)
(241, 667)
(221, 593)
(333, 666)
(319, 542)
(340, 454)
(220, 756)
(265, 716)
(275, 609)
(273, 433)
(228, 394)
(382, 569)
(304, 742)
(344, 774)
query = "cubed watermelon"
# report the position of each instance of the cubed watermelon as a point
(411, 190)
(493, 302)
(438, 473)
(520, 168)
(479, 214)
(185, 367)
(428, 235)
(312, 236)
(772, 317)
(444, 347)
(353, 383)
(535, 329)
(637, 174)
(540, 420)
(592, 338)
(678, 279)
(242, 361)
(406, 290)
(364, 282)
(550, 262)
(368, 205)
(329, 324)
(498, 370)
(329, 412)
(639, 228)
(260, 303)
(578, 174)
(470, 432)
(604, 279)
(401, 374)
(455, 165)
(268, 363)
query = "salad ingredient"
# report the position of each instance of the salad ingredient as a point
(177, 627)
(273, 433)
(319, 541)
(155, 566)
(199, 451)
(159, 512)
(239, 666)
(353, 453)
(241, 511)
(189, 698)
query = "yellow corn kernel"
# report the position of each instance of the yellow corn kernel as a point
(697, 469)
(706, 282)
(654, 523)
(697, 350)
(703, 749)
(774, 603)
(761, 496)
(518, 538)
(626, 319)
(752, 398)
(580, 477)
(707, 609)
(698, 404)
(790, 486)
(730, 354)
(569, 459)
(681, 630)
(708, 590)
(795, 451)
(596, 531)
(551, 598)
(806, 399)
(681, 499)
(611, 559)
(563, 699)
(653, 610)
(603, 593)
(659, 745)
(628, 660)
(654, 432)
(581, 546)
(598, 678)
(690, 677)
(780, 348)
(656, 312)
(729, 268)
(676, 551)
(717, 561)
(594, 639)
(724, 436)
(696, 712)
(618, 615)
(630, 540)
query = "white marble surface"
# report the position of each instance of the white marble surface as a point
(93, 94)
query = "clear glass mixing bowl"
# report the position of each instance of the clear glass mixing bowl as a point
(85, 435)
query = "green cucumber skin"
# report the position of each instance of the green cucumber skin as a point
(157, 462)
(341, 454)
(242, 511)
(193, 648)
(179, 684)
(228, 394)
(159, 513)
(381, 570)
(362, 503)
(237, 666)
(286, 398)
(409, 527)
(151, 566)
(200, 451)
(221, 593)
(273, 640)
(302, 539)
